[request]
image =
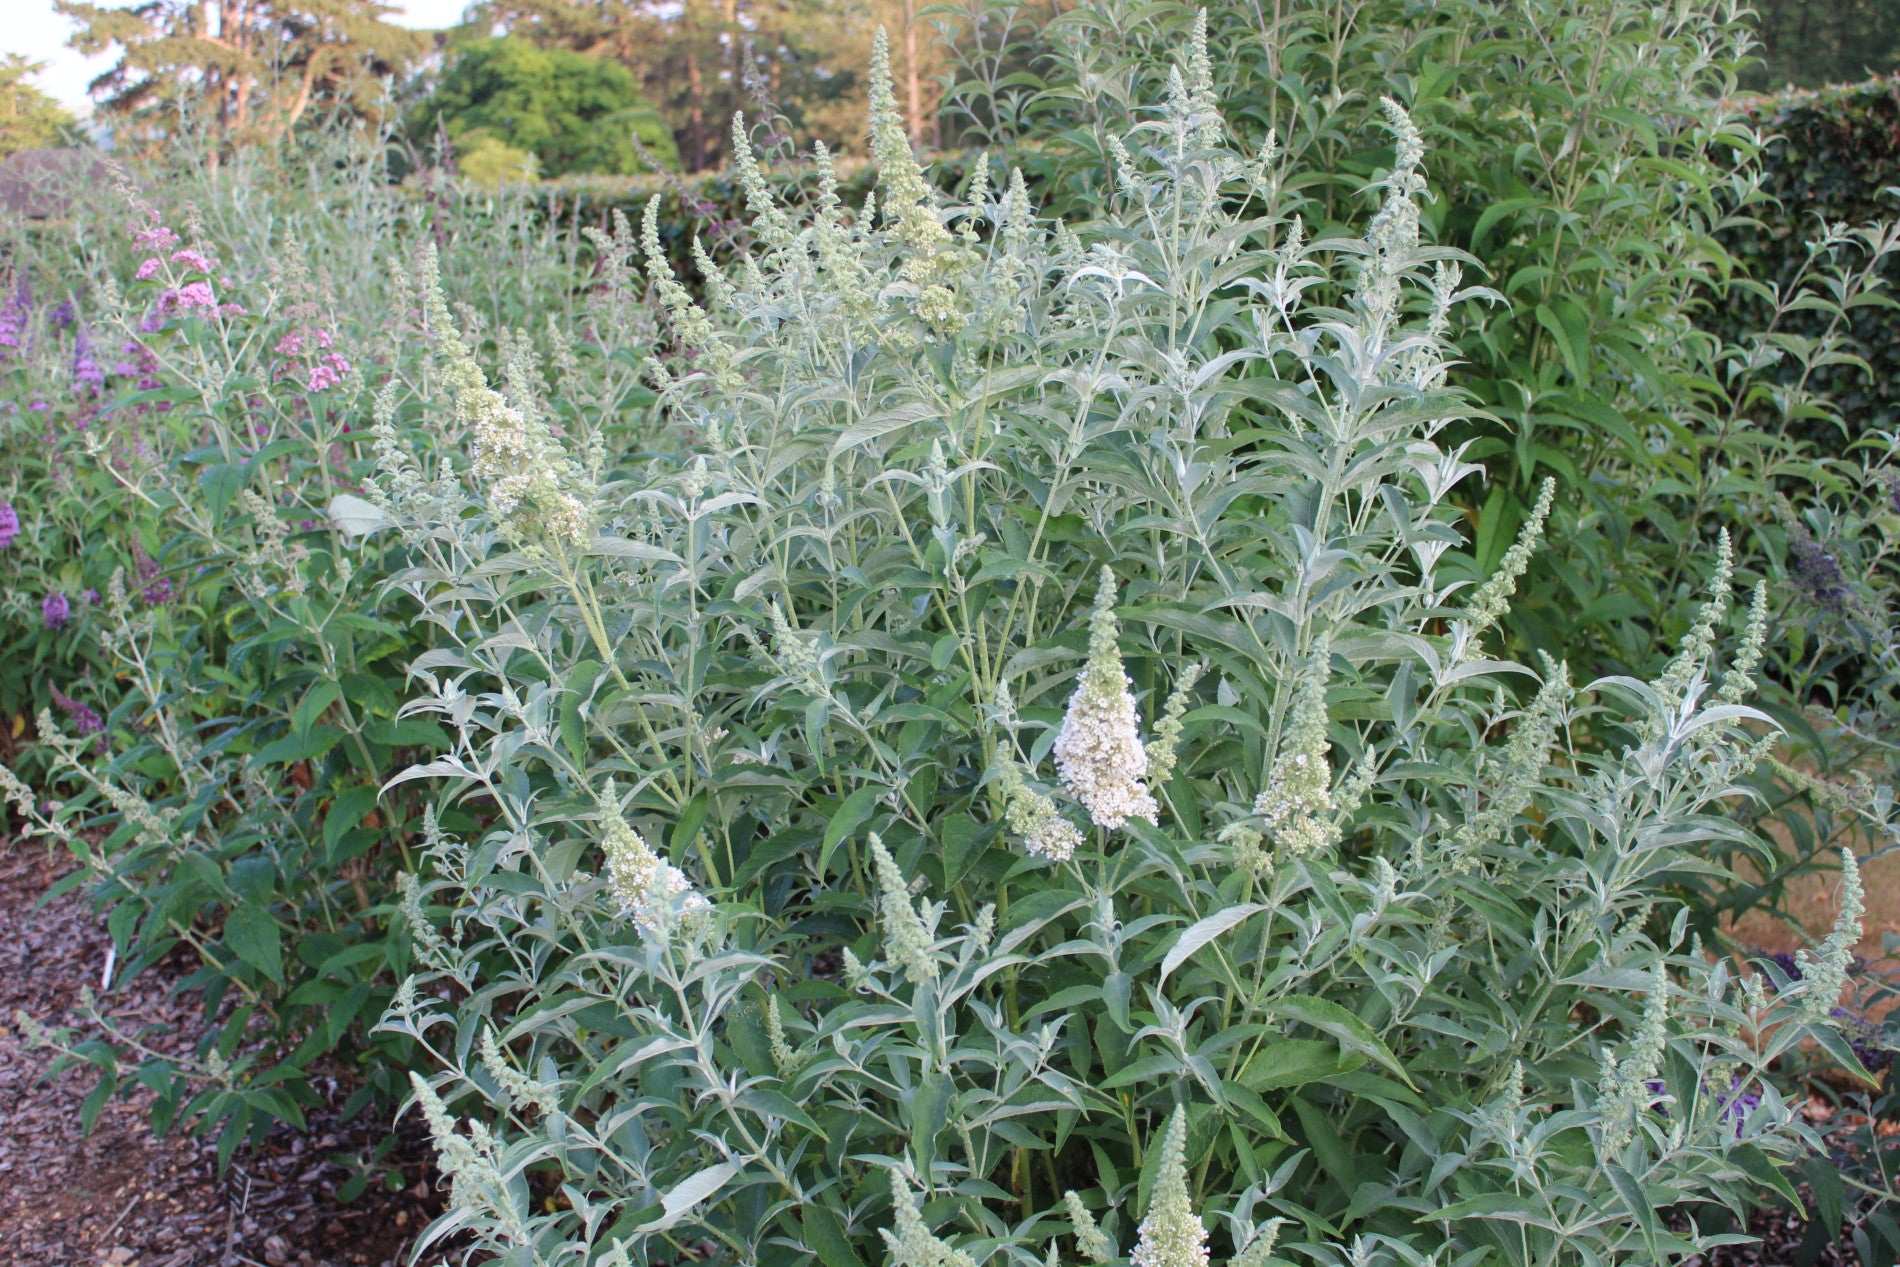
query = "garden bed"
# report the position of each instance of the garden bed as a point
(121, 1196)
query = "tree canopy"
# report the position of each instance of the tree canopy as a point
(573, 113)
(29, 119)
(244, 70)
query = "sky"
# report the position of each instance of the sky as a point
(34, 29)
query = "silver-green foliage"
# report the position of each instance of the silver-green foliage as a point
(1006, 778)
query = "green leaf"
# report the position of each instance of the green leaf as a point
(345, 812)
(578, 688)
(1353, 1034)
(963, 838)
(221, 484)
(1294, 1062)
(687, 1195)
(1638, 1203)
(1203, 931)
(845, 820)
(254, 937)
(825, 1237)
(928, 1113)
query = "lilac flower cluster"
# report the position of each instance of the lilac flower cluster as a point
(62, 315)
(84, 718)
(156, 236)
(155, 589)
(13, 316)
(328, 370)
(87, 373)
(55, 610)
(1817, 573)
(9, 524)
(194, 295)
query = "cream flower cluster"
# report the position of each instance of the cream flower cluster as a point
(911, 1242)
(930, 257)
(652, 892)
(1098, 750)
(1034, 817)
(1171, 1235)
(906, 940)
(1296, 806)
(525, 478)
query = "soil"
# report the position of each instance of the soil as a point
(123, 1197)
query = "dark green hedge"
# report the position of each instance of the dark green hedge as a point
(1835, 158)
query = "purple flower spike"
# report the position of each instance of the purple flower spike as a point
(55, 610)
(86, 370)
(9, 524)
(85, 720)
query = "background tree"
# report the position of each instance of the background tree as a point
(699, 61)
(573, 113)
(29, 119)
(244, 70)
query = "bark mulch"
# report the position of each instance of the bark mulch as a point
(122, 1197)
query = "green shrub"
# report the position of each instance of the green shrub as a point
(490, 162)
(1595, 159)
(573, 113)
(216, 723)
(1015, 769)
(1831, 158)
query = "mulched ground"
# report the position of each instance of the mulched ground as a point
(120, 1197)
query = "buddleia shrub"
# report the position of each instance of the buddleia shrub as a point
(1007, 774)
(1692, 322)
(211, 724)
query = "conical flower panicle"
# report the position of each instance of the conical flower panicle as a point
(910, 1240)
(1171, 1235)
(1090, 1239)
(1098, 750)
(1493, 598)
(1162, 753)
(1625, 1088)
(525, 477)
(906, 940)
(652, 892)
(1261, 1247)
(1512, 786)
(1297, 803)
(1824, 972)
